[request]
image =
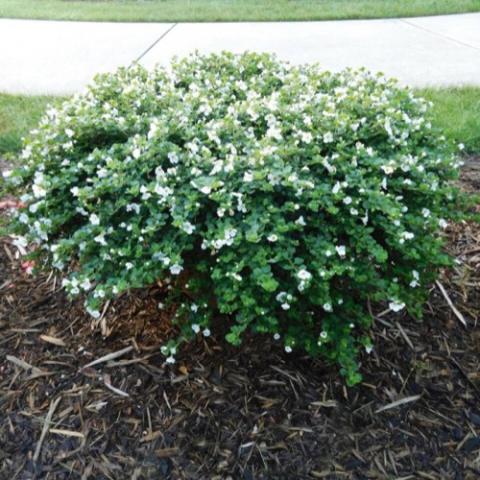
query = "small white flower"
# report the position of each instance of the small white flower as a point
(188, 228)
(425, 212)
(170, 359)
(300, 221)
(38, 191)
(327, 307)
(86, 284)
(288, 349)
(285, 306)
(328, 137)
(276, 336)
(94, 313)
(323, 334)
(195, 327)
(336, 188)
(272, 238)
(396, 306)
(133, 207)
(341, 250)
(347, 200)
(304, 275)
(442, 223)
(100, 239)
(369, 349)
(248, 177)
(94, 219)
(207, 332)
(176, 269)
(173, 157)
(129, 265)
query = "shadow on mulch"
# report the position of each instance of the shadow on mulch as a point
(226, 413)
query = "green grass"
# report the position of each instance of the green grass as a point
(18, 115)
(228, 10)
(456, 111)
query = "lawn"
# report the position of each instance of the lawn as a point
(228, 10)
(18, 114)
(456, 111)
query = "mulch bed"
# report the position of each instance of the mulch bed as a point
(227, 413)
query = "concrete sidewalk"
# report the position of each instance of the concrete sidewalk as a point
(62, 57)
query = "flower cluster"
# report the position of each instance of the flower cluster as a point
(284, 198)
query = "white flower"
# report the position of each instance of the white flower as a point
(442, 223)
(170, 359)
(347, 200)
(248, 177)
(86, 284)
(336, 188)
(206, 190)
(327, 307)
(207, 332)
(288, 349)
(129, 265)
(300, 221)
(101, 239)
(328, 137)
(94, 219)
(306, 137)
(341, 250)
(176, 269)
(323, 334)
(396, 306)
(195, 327)
(276, 336)
(38, 191)
(272, 238)
(94, 313)
(369, 349)
(274, 132)
(304, 275)
(285, 306)
(425, 212)
(75, 191)
(188, 228)
(7, 173)
(102, 173)
(133, 207)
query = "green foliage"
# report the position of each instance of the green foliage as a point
(283, 198)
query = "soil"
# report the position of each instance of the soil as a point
(221, 412)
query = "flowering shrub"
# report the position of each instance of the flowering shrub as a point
(284, 198)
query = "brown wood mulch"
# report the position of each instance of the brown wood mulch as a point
(76, 404)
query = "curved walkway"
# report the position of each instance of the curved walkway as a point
(43, 57)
